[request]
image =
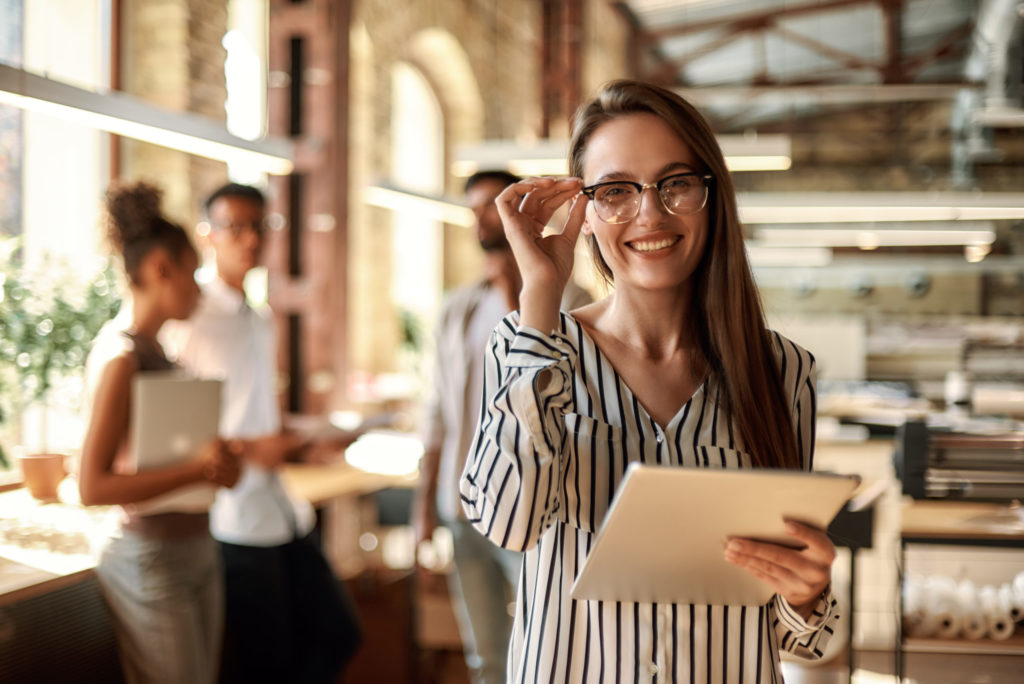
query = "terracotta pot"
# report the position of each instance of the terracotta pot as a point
(42, 473)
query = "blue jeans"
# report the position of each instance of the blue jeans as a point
(166, 597)
(482, 587)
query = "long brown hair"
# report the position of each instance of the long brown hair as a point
(733, 335)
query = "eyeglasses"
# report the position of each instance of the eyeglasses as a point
(619, 201)
(238, 228)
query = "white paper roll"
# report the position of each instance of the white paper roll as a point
(1000, 627)
(1018, 585)
(948, 624)
(974, 625)
(997, 613)
(940, 606)
(1008, 599)
(914, 616)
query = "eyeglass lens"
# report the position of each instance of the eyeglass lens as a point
(236, 229)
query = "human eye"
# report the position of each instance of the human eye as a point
(613, 192)
(681, 182)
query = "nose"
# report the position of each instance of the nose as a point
(650, 203)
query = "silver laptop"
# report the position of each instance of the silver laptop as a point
(173, 416)
(664, 535)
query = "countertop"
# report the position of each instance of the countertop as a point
(45, 546)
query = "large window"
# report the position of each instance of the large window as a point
(53, 171)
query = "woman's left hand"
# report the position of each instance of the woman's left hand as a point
(798, 575)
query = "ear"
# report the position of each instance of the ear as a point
(586, 228)
(162, 266)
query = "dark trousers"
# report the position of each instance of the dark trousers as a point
(287, 618)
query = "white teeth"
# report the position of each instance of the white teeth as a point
(652, 246)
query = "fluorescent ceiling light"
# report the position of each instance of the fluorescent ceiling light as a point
(999, 117)
(771, 256)
(897, 268)
(437, 208)
(550, 157)
(758, 163)
(873, 237)
(124, 115)
(868, 207)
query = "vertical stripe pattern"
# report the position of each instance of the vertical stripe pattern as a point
(557, 433)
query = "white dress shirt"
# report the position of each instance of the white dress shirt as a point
(539, 478)
(226, 339)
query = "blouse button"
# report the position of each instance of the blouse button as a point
(660, 438)
(653, 668)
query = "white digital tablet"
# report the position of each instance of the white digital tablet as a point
(664, 535)
(173, 416)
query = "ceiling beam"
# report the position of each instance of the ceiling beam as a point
(893, 72)
(752, 20)
(846, 59)
(730, 35)
(944, 47)
(825, 94)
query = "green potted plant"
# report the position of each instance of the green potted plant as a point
(49, 314)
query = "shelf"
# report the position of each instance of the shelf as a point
(1012, 646)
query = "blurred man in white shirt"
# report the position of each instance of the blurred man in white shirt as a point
(287, 617)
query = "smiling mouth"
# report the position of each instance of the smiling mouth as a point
(653, 245)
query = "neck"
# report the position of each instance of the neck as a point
(659, 324)
(146, 318)
(235, 282)
(502, 272)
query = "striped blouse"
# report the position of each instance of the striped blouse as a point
(541, 473)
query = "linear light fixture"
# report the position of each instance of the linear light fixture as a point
(874, 236)
(122, 114)
(871, 207)
(549, 157)
(401, 200)
(897, 268)
(771, 256)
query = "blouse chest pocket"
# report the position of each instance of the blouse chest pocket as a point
(594, 459)
(719, 457)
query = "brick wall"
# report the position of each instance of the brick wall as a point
(173, 58)
(499, 42)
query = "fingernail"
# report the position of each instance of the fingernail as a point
(792, 528)
(734, 546)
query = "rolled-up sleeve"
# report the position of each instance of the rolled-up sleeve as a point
(806, 638)
(509, 487)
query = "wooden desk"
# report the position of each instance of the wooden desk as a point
(318, 484)
(971, 523)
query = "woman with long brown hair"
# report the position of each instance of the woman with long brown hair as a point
(675, 367)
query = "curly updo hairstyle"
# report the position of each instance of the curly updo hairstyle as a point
(136, 226)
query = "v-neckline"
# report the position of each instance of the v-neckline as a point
(603, 358)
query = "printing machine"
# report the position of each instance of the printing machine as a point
(935, 463)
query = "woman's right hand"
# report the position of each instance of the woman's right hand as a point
(221, 462)
(545, 261)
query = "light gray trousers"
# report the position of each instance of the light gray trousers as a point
(166, 597)
(482, 586)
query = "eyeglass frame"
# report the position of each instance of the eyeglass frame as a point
(705, 178)
(237, 230)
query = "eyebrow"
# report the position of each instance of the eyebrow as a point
(662, 172)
